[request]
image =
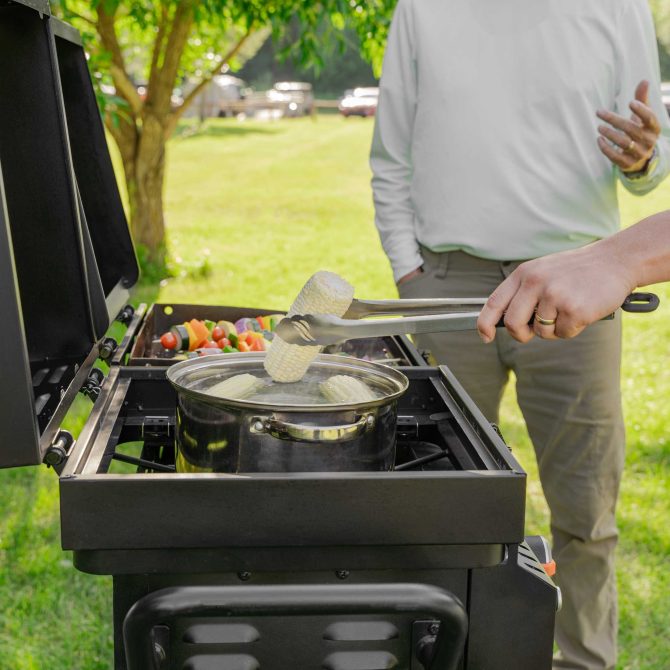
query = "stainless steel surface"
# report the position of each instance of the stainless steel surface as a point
(423, 316)
(362, 308)
(285, 430)
(67, 399)
(193, 377)
(310, 329)
(236, 436)
(91, 444)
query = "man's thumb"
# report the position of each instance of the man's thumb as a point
(642, 92)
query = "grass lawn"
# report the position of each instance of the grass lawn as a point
(264, 206)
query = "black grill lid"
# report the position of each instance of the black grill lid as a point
(52, 295)
(101, 201)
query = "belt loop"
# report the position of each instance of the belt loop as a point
(442, 265)
(507, 267)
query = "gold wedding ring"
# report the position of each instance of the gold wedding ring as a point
(630, 147)
(545, 322)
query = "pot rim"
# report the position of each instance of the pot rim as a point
(177, 372)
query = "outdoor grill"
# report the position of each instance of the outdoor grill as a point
(424, 566)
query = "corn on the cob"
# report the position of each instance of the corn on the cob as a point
(324, 293)
(344, 388)
(237, 387)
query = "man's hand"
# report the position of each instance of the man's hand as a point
(410, 275)
(573, 289)
(629, 143)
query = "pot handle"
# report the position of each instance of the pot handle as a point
(297, 432)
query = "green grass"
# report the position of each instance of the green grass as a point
(268, 204)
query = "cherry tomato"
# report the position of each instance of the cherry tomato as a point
(224, 342)
(218, 333)
(257, 344)
(211, 345)
(169, 341)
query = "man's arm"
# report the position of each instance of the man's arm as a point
(390, 157)
(639, 145)
(577, 288)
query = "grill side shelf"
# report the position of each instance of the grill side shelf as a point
(492, 449)
(98, 423)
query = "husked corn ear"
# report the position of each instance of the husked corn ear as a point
(237, 387)
(343, 388)
(324, 293)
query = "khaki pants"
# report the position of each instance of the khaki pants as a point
(569, 393)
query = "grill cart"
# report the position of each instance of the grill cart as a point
(422, 566)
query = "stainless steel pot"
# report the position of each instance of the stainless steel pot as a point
(284, 429)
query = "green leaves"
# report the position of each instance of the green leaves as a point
(150, 59)
(320, 25)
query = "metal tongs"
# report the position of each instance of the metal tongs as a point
(419, 316)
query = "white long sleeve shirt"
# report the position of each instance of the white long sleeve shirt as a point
(485, 135)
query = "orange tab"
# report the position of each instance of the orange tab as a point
(550, 568)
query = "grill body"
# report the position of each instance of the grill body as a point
(454, 525)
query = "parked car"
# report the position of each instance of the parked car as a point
(223, 96)
(359, 102)
(294, 98)
(665, 95)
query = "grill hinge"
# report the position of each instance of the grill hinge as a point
(107, 348)
(93, 384)
(58, 451)
(125, 316)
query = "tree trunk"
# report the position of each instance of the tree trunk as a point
(145, 197)
(145, 177)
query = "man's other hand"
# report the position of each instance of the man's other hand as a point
(629, 143)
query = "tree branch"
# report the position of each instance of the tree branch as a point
(212, 73)
(124, 86)
(124, 132)
(160, 38)
(163, 75)
(81, 17)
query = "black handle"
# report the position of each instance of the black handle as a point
(641, 303)
(162, 607)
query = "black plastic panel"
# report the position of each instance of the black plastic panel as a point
(93, 166)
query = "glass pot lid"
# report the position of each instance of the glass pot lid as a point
(194, 378)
